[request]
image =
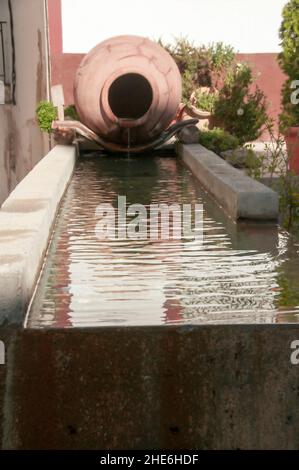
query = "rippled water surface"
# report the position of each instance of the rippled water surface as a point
(237, 274)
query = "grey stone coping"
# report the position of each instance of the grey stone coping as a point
(240, 196)
(26, 220)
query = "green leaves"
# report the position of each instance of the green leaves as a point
(71, 113)
(200, 66)
(221, 55)
(46, 114)
(228, 97)
(238, 110)
(289, 62)
(205, 100)
(218, 140)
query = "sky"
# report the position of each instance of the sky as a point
(248, 25)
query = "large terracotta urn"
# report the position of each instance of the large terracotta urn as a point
(127, 90)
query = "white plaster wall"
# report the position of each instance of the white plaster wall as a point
(22, 144)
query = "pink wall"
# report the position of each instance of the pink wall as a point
(63, 66)
(270, 78)
(63, 71)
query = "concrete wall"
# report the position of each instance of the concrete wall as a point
(22, 144)
(240, 196)
(168, 387)
(26, 221)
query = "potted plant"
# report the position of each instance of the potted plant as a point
(289, 62)
(46, 113)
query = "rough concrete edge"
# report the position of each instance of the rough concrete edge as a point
(221, 347)
(237, 203)
(26, 220)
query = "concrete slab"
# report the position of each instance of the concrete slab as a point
(26, 220)
(167, 387)
(239, 195)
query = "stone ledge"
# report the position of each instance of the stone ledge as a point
(26, 220)
(166, 387)
(240, 196)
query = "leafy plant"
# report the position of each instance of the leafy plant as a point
(200, 66)
(193, 63)
(222, 57)
(238, 110)
(272, 162)
(71, 112)
(205, 100)
(187, 86)
(289, 62)
(289, 200)
(46, 113)
(274, 166)
(276, 161)
(218, 140)
(254, 164)
(288, 292)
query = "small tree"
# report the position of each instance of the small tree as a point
(289, 62)
(239, 111)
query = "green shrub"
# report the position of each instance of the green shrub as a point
(221, 60)
(187, 86)
(221, 56)
(46, 114)
(239, 111)
(193, 63)
(71, 112)
(235, 107)
(199, 66)
(218, 140)
(205, 100)
(289, 62)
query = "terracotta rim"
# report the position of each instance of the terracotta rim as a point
(104, 97)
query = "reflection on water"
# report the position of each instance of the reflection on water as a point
(239, 274)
